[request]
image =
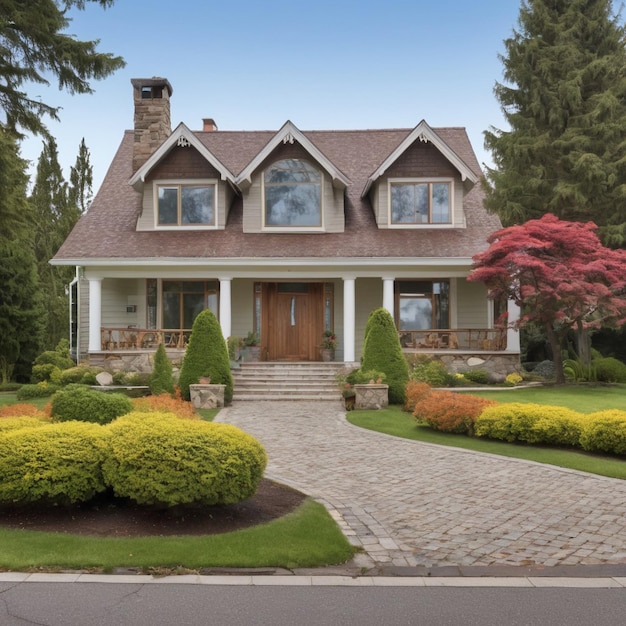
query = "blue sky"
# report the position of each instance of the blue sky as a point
(252, 65)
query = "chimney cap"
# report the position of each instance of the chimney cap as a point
(155, 81)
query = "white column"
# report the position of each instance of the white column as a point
(388, 299)
(95, 314)
(225, 307)
(512, 334)
(349, 326)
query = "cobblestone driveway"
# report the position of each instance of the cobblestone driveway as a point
(409, 503)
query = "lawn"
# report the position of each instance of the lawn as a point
(394, 421)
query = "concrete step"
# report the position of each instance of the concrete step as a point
(286, 381)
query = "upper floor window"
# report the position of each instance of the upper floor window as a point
(420, 202)
(185, 204)
(293, 194)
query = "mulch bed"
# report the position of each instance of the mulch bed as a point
(106, 516)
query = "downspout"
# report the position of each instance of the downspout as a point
(71, 330)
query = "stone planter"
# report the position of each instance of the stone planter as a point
(371, 396)
(327, 354)
(207, 396)
(251, 354)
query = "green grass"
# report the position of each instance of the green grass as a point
(582, 398)
(10, 397)
(394, 421)
(307, 537)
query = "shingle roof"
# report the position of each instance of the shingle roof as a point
(108, 229)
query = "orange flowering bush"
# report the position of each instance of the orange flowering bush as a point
(23, 410)
(165, 403)
(450, 412)
(415, 393)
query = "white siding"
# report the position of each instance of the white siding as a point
(117, 294)
(472, 305)
(242, 314)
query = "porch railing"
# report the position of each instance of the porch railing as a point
(142, 338)
(454, 339)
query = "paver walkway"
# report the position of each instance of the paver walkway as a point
(408, 503)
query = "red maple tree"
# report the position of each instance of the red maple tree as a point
(560, 275)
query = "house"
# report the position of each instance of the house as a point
(286, 234)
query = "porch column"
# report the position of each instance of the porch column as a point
(95, 314)
(349, 313)
(388, 299)
(512, 334)
(225, 306)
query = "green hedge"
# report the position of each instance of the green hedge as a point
(40, 390)
(53, 463)
(159, 459)
(88, 405)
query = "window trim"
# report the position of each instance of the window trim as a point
(416, 181)
(187, 182)
(292, 229)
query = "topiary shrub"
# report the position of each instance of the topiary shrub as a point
(604, 431)
(40, 390)
(382, 352)
(161, 379)
(55, 463)
(450, 412)
(158, 459)
(76, 402)
(46, 371)
(206, 355)
(610, 370)
(530, 423)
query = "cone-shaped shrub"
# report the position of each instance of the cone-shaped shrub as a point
(207, 355)
(161, 379)
(382, 352)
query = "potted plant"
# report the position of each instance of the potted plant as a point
(329, 343)
(251, 348)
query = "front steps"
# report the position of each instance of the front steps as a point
(287, 380)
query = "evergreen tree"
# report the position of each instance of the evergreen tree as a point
(161, 378)
(22, 314)
(54, 217)
(34, 48)
(81, 180)
(382, 352)
(565, 101)
(207, 355)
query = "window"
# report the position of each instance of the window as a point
(420, 202)
(422, 305)
(293, 193)
(183, 300)
(186, 204)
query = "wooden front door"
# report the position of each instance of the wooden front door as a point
(294, 321)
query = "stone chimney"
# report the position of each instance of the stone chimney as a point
(208, 125)
(152, 116)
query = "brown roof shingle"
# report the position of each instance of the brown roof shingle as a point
(108, 230)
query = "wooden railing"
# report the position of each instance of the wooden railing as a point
(142, 338)
(454, 339)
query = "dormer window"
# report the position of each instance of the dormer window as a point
(420, 202)
(293, 194)
(185, 204)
